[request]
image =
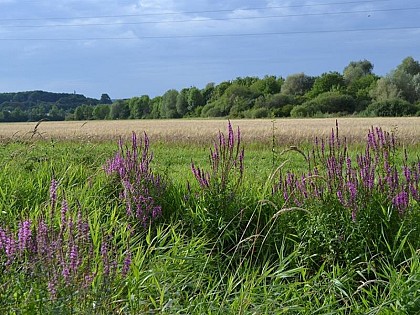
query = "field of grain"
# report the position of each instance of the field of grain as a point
(285, 131)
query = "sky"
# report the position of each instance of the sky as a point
(128, 48)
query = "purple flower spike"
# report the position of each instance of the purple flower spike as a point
(24, 235)
(127, 265)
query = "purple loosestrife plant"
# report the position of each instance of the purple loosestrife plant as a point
(140, 186)
(219, 185)
(361, 198)
(59, 254)
(355, 183)
(226, 163)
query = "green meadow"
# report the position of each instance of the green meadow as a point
(227, 227)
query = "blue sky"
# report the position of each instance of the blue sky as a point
(129, 48)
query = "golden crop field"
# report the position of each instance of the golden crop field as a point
(285, 131)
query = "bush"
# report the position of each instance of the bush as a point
(260, 113)
(299, 111)
(391, 108)
(330, 102)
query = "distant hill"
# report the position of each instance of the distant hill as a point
(36, 105)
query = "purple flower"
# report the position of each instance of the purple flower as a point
(24, 235)
(400, 201)
(53, 192)
(52, 288)
(64, 210)
(127, 264)
(74, 258)
(105, 257)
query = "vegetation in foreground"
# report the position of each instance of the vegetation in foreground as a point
(86, 232)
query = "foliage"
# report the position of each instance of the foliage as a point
(335, 232)
(297, 84)
(359, 207)
(248, 96)
(328, 102)
(141, 186)
(391, 108)
(327, 82)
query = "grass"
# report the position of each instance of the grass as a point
(182, 132)
(254, 246)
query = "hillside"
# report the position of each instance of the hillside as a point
(36, 105)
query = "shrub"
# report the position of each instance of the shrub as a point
(391, 108)
(330, 102)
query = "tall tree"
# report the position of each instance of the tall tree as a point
(384, 90)
(325, 83)
(182, 102)
(357, 69)
(195, 98)
(105, 99)
(139, 106)
(119, 110)
(168, 109)
(297, 84)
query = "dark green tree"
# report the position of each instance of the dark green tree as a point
(105, 99)
(327, 82)
(168, 109)
(267, 86)
(101, 111)
(182, 102)
(195, 98)
(139, 107)
(356, 70)
(119, 110)
(297, 84)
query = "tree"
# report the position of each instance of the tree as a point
(409, 66)
(267, 86)
(83, 112)
(297, 84)
(182, 102)
(357, 69)
(139, 106)
(55, 113)
(360, 90)
(279, 100)
(384, 89)
(119, 110)
(195, 98)
(101, 111)
(326, 83)
(105, 99)
(219, 90)
(168, 109)
(155, 107)
(208, 91)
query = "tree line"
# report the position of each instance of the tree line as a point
(355, 91)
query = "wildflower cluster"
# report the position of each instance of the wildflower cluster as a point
(226, 161)
(140, 185)
(61, 255)
(354, 181)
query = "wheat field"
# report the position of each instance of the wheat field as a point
(284, 131)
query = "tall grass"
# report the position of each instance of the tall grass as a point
(108, 233)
